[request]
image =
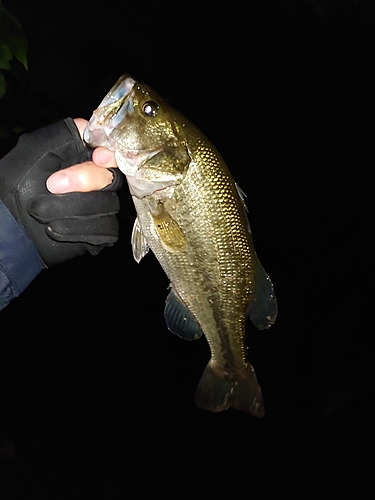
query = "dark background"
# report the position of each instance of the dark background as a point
(97, 397)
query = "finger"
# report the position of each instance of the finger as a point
(81, 125)
(103, 157)
(83, 177)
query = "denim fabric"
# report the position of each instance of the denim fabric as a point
(19, 261)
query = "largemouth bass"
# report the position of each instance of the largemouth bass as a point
(192, 215)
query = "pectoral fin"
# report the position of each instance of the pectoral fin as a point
(179, 319)
(167, 229)
(262, 306)
(139, 243)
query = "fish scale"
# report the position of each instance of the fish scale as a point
(192, 215)
(224, 318)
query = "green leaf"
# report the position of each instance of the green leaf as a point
(2, 85)
(13, 42)
(5, 56)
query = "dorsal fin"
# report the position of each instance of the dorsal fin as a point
(242, 196)
(262, 306)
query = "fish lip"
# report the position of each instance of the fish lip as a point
(120, 90)
(117, 104)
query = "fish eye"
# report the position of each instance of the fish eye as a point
(150, 108)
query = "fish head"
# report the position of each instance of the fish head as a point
(135, 122)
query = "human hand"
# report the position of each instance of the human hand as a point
(88, 176)
(71, 223)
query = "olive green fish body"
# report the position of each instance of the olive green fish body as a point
(192, 215)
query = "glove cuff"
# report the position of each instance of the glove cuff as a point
(117, 181)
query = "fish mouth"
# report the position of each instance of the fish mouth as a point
(111, 111)
(116, 105)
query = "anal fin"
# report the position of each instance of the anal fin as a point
(179, 319)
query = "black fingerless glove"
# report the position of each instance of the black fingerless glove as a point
(61, 226)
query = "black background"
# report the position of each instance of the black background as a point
(97, 397)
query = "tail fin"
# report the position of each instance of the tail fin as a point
(219, 389)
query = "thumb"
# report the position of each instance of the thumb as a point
(82, 177)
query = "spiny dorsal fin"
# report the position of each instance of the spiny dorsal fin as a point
(262, 306)
(242, 196)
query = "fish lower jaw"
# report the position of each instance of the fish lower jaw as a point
(95, 136)
(141, 188)
(130, 161)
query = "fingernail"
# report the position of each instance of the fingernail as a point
(58, 183)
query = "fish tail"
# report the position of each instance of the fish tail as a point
(219, 389)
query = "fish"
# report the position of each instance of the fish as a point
(193, 216)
